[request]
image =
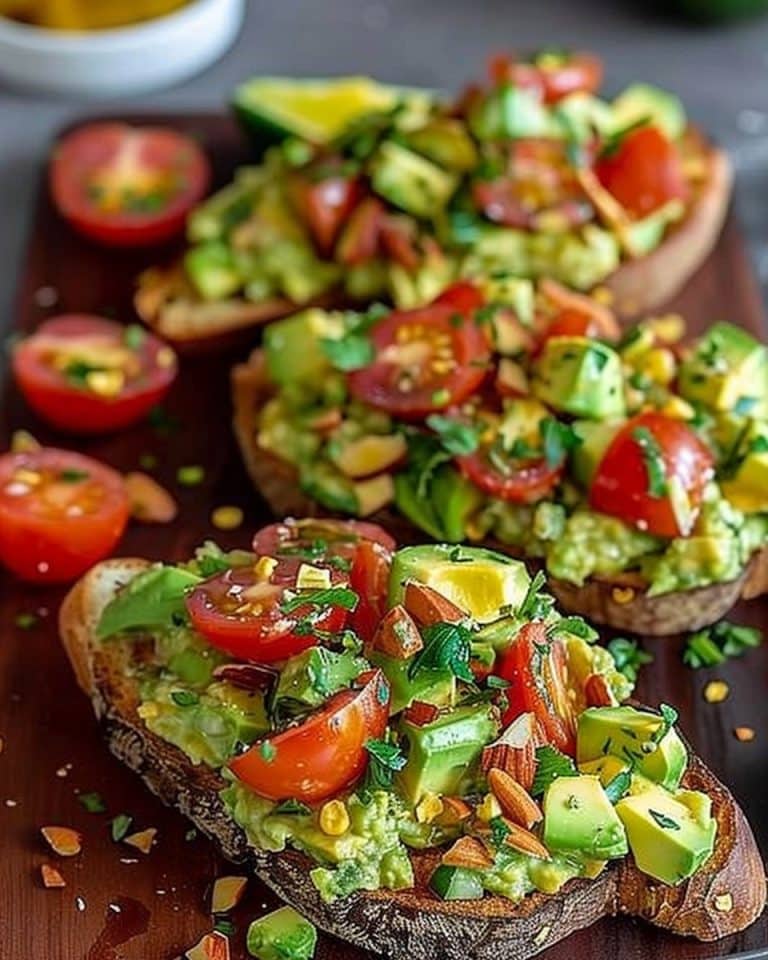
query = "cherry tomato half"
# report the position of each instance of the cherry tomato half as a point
(535, 668)
(89, 375)
(60, 513)
(652, 448)
(526, 481)
(240, 613)
(127, 186)
(426, 359)
(325, 754)
(553, 75)
(644, 172)
(325, 205)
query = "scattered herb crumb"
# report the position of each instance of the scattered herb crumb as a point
(191, 475)
(91, 801)
(120, 825)
(26, 621)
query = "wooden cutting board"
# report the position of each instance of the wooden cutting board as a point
(119, 903)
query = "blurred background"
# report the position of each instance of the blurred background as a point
(713, 53)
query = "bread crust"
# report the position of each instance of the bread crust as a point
(167, 302)
(408, 922)
(619, 601)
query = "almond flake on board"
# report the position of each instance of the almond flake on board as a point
(52, 879)
(227, 893)
(744, 734)
(149, 502)
(63, 840)
(212, 946)
(143, 840)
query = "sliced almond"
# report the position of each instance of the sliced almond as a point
(515, 751)
(227, 893)
(514, 800)
(143, 840)
(468, 852)
(149, 502)
(597, 691)
(63, 840)
(455, 811)
(744, 734)
(420, 713)
(52, 879)
(427, 606)
(213, 946)
(526, 842)
(397, 635)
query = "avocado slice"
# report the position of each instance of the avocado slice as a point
(212, 269)
(638, 736)
(727, 370)
(644, 101)
(282, 935)
(454, 499)
(309, 678)
(747, 490)
(292, 347)
(443, 755)
(579, 818)
(581, 377)
(596, 436)
(432, 686)
(481, 582)
(152, 599)
(456, 883)
(670, 836)
(410, 181)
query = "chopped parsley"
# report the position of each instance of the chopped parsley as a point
(92, 802)
(558, 440)
(384, 760)
(293, 806)
(550, 764)
(26, 621)
(653, 459)
(662, 820)
(628, 656)
(535, 605)
(71, 475)
(185, 698)
(446, 646)
(134, 336)
(716, 644)
(332, 597)
(352, 352)
(119, 826)
(457, 438)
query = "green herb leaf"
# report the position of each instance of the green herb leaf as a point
(550, 764)
(352, 352)
(576, 626)
(715, 644)
(134, 336)
(332, 597)
(191, 475)
(293, 806)
(499, 831)
(535, 605)
(190, 835)
(457, 438)
(616, 789)
(558, 440)
(26, 621)
(628, 657)
(613, 143)
(119, 826)
(384, 760)
(446, 646)
(185, 698)
(268, 750)
(665, 822)
(655, 467)
(92, 802)
(497, 683)
(225, 926)
(72, 476)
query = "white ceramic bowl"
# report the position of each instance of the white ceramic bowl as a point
(124, 60)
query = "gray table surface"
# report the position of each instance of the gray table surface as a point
(721, 72)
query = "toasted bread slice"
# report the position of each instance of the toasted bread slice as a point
(621, 601)
(167, 302)
(725, 896)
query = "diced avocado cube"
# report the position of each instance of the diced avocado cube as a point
(212, 269)
(606, 768)
(455, 499)
(596, 437)
(292, 347)
(443, 755)
(192, 667)
(481, 582)
(642, 236)
(581, 377)
(642, 101)
(456, 883)
(432, 686)
(670, 836)
(727, 370)
(323, 482)
(747, 490)
(446, 141)
(222, 211)
(511, 112)
(635, 736)
(417, 507)
(245, 708)
(579, 115)
(311, 677)
(282, 935)
(694, 561)
(410, 181)
(579, 818)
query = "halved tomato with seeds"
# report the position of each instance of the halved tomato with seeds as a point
(552, 74)
(426, 359)
(258, 615)
(60, 513)
(517, 480)
(85, 374)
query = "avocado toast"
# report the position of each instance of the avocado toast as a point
(632, 467)
(436, 765)
(529, 174)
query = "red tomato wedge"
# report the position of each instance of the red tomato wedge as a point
(535, 668)
(633, 479)
(359, 240)
(554, 76)
(60, 513)
(426, 359)
(242, 613)
(644, 172)
(364, 549)
(323, 755)
(400, 242)
(325, 205)
(88, 375)
(526, 481)
(127, 186)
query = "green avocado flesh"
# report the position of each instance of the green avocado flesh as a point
(427, 758)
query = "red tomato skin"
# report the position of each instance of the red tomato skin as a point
(582, 72)
(359, 240)
(50, 550)
(260, 638)
(469, 347)
(270, 539)
(93, 147)
(529, 693)
(77, 410)
(620, 484)
(644, 173)
(324, 755)
(369, 578)
(326, 205)
(529, 484)
(463, 296)
(400, 243)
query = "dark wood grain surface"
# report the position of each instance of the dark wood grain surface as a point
(51, 750)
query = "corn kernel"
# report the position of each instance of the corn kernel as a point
(678, 409)
(659, 364)
(489, 809)
(428, 808)
(264, 568)
(147, 711)
(622, 595)
(669, 328)
(227, 518)
(724, 902)
(106, 383)
(603, 296)
(312, 578)
(334, 819)
(716, 691)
